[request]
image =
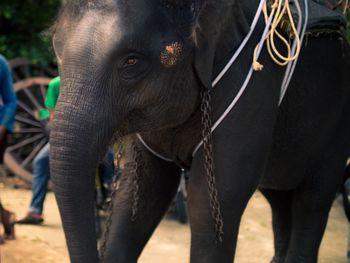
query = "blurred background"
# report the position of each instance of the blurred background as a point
(25, 29)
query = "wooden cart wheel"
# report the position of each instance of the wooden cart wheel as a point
(23, 68)
(30, 135)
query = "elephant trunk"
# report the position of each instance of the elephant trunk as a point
(75, 151)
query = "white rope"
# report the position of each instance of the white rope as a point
(151, 150)
(291, 66)
(287, 77)
(245, 84)
(222, 73)
(244, 42)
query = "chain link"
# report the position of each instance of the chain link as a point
(209, 165)
(136, 182)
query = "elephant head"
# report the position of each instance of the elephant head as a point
(125, 67)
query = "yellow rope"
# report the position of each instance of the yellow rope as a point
(278, 10)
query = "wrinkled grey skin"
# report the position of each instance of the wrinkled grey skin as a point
(138, 66)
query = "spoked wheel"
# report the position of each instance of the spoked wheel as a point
(30, 135)
(23, 68)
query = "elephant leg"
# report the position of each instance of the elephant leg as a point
(205, 248)
(240, 152)
(133, 222)
(311, 206)
(281, 205)
(233, 195)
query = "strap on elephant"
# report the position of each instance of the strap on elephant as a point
(301, 28)
(321, 18)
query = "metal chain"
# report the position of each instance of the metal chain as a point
(114, 188)
(136, 182)
(209, 165)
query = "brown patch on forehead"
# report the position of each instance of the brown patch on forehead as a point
(171, 54)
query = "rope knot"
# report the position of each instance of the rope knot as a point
(257, 66)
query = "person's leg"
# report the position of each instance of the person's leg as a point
(7, 217)
(3, 145)
(108, 167)
(41, 174)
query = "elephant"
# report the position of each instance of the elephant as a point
(142, 67)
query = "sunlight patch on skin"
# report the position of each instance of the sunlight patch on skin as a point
(95, 35)
(171, 54)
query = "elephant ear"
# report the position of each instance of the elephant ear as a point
(204, 58)
(204, 37)
(190, 17)
(206, 32)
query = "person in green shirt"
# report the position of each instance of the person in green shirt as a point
(51, 99)
(41, 167)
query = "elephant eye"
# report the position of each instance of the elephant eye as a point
(133, 67)
(131, 61)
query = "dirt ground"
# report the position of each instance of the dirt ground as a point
(170, 243)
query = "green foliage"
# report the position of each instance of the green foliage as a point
(24, 29)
